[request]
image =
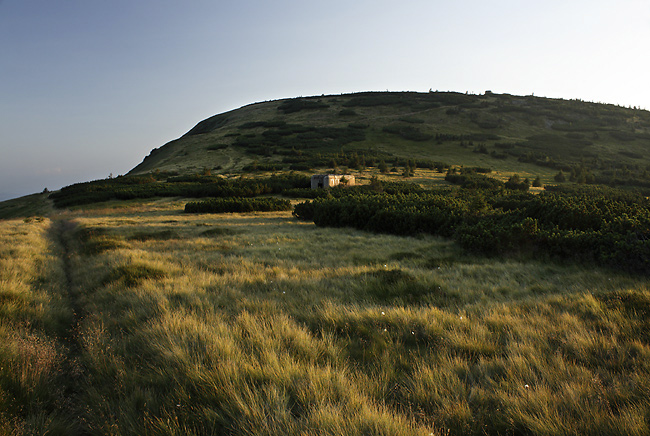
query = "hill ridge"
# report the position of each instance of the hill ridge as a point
(509, 133)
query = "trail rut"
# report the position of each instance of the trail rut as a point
(62, 235)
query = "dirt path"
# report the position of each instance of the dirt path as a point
(62, 238)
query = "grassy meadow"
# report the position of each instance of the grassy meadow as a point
(36, 324)
(134, 318)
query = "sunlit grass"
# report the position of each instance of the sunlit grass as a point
(262, 324)
(35, 317)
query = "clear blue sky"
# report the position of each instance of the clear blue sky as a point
(89, 87)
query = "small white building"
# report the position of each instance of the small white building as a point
(321, 181)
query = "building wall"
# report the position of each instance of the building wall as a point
(317, 181)
(320, 181)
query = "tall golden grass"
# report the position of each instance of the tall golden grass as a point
(262, 325)
(35, 317)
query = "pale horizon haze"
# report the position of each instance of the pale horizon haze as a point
(89, 88)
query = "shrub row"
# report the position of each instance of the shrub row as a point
(411, 99)
(256, 166)
(286, 137)
(610, 228)
(474, 181)
(126, 188)
(223, 205)
(300, 104)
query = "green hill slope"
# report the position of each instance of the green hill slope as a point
(134, 305)
(530, 135)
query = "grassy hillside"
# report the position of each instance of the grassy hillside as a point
(452, 304)
(28, 206)
(533, 136)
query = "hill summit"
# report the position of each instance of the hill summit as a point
(595, 143)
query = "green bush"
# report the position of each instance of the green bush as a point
(607, 226)
(195, 186)
(515, 183)
(223, 205)
(472, 180)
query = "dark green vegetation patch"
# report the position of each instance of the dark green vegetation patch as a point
(608, 226)
(300, 104)
(223, 205)
(411, 100)
(408, 132)
(163, 185)
(287, 139)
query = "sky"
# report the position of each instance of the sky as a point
(89, 87)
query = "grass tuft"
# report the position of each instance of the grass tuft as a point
(159, 235)
(217, 231)
(134, 274)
